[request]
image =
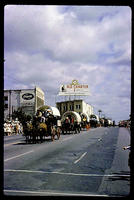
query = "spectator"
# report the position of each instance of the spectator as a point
(8, 130)
(19, 129)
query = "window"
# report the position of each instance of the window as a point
(77, 106)
(71, 107)
(65, 108)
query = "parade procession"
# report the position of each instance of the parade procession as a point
(68, 117)
(39, 121)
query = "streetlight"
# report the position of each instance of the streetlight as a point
(99, 111)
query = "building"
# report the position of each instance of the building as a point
(29, 100)
(78, 106)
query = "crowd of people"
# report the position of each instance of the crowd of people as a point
(13, 127)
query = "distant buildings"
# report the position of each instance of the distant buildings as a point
(29, 100)
(78, 106)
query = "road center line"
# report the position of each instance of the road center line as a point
(80, 157)
(18, 156)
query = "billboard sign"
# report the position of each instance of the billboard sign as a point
(27, 98)
(74, 89)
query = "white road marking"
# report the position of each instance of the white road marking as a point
(18, 156)
(54, 193)
(65, 173)
(80, 157)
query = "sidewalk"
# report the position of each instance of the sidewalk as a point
(120, 182)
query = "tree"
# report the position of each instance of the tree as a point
(22, 117)
(43, 108)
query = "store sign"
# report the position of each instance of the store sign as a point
(27, 96)
(74, 89)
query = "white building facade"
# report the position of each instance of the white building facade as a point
(29, 100)
(87, 109)
(78, 106)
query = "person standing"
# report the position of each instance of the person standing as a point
(130, 154)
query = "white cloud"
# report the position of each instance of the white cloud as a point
(51, 45)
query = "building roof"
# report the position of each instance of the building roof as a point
(70, 101)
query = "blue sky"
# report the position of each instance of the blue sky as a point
(51, 45)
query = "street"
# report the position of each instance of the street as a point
(91, 163)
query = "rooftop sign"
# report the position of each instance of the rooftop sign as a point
(74, 89)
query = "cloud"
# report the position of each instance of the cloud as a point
(51, 45)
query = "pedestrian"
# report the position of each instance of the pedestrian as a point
(11, 127)
(19, 128)
(130, 155)
(8, 130)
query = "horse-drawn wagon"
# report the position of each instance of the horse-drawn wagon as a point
(94, 120)
(85, 121)
(45, 123)
(71, 122)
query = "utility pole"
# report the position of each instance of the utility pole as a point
(10, 105)
(99, 111)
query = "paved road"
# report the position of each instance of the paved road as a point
(91, 163)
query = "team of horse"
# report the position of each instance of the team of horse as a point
(46, 124)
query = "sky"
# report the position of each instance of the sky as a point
(47, 46)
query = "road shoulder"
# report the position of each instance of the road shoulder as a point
(120, 183)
